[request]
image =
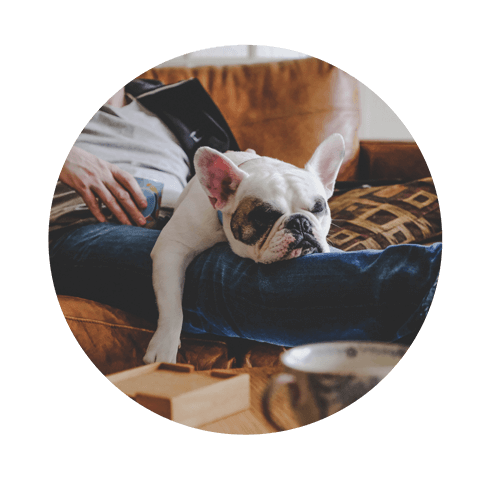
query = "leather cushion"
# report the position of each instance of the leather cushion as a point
(115, 340)
(282, 109)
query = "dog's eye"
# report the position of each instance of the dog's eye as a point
(264, 215)
(319, 206)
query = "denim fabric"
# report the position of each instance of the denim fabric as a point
(109, 263)
(365, 295)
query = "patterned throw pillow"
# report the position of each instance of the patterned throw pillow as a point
(376, 217)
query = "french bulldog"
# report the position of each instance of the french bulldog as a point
(270, 211)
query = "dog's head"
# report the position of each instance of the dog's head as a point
(272, 210)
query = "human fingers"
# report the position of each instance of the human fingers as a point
(124, 199)
(130, 184)
(111, 202)
(92, 204)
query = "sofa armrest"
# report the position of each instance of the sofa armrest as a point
(388, 160)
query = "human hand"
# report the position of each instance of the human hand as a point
(95, 179)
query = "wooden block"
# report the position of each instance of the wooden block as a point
(177, 392)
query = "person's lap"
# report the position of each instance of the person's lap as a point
(109, 263)
(365, 295)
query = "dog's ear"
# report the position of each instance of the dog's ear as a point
(218, 175)
(327, 160)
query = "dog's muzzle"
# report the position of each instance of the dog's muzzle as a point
(301, 228)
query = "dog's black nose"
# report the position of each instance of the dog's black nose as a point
(298, 223)
(301, 228)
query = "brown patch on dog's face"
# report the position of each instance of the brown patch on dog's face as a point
(252, 219)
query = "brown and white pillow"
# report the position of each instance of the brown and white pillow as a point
(376, 217)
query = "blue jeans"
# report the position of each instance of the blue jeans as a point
(365, 295)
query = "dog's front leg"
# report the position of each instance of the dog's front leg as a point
(193, 228)
(170, 262)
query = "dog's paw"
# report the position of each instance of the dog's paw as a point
(153, 356)
(161, 350)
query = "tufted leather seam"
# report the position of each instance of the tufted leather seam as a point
(98, 322)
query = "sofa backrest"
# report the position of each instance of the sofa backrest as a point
(282, 109)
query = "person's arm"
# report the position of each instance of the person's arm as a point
(95, 179)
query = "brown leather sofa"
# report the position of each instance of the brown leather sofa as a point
(283, 110)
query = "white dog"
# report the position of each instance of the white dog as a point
(271, 211)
